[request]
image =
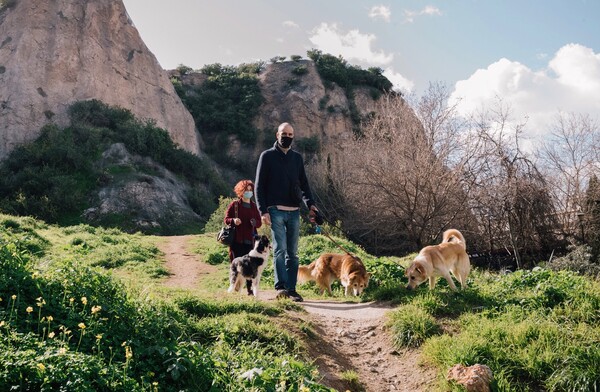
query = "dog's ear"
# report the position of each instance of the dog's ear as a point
(420, 269)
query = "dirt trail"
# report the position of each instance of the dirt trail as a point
(348, 336)
(184, 266)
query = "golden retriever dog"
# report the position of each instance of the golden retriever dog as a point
(440, 260)
(348, 269)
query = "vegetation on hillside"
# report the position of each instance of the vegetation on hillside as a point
(337, 70)
(67, 324)
(54, 177)
(223, 105)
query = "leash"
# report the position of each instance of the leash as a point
(319, 230)
(318, 220)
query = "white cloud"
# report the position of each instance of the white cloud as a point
(409, 16)
(578, 67)
(401, 84)
(290, 23)
(380, 12)
(571, 83)
(351, 45)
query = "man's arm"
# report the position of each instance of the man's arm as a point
(260, 184)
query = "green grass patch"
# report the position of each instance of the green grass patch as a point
(411, 325)
(71, 323)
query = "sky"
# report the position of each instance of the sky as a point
(540, 57)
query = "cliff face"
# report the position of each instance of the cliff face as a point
(53, 53)
(317, 110)
(305, 102)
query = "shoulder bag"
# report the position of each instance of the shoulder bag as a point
(227, 233)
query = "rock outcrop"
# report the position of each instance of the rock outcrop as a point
(53, 53)
(153, 198)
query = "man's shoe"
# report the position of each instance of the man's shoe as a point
(282, 294)
(293, 294)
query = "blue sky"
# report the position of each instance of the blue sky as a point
(541, 57)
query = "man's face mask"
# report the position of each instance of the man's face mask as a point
(286, 141)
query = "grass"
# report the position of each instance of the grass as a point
(351, 377)
(67, 318)
(83, 305)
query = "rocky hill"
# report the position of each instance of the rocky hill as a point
(321, 111)
(53, 53)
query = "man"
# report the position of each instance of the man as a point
(281, 185)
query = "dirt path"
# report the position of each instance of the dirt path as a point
(184, 266)
(348, 336)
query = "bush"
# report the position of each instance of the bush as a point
(579, 259)
(225, 104)
(309, 145)
(300, 70)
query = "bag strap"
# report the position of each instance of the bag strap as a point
(236, 208)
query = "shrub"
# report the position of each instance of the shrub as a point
(579, 259)
(310, 145)
(225, 104)
(300, 70)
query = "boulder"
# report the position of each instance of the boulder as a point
(474, 378)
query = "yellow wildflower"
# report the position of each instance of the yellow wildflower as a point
(41, 366)
(71, 300)
(14, 297)
(96, 309)
(51, 335)
(62, 350)
(81, 325)
(2, 323)
(50, 318)
(99, 336)
(29, 309)
(84, 300)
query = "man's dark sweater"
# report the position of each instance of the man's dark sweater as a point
(277, 174)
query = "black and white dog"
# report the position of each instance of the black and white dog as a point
(249, 267)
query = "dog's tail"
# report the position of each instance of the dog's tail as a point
(305, 272)
(453, 235)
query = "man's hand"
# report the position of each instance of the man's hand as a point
(314, 215)
(266, 219)
(237, 221)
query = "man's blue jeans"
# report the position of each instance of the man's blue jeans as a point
(285, 231)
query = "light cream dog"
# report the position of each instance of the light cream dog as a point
(440, 260)
(330, 266)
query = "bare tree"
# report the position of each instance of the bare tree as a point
(392, 187)
(570, 158)
(510, 197)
